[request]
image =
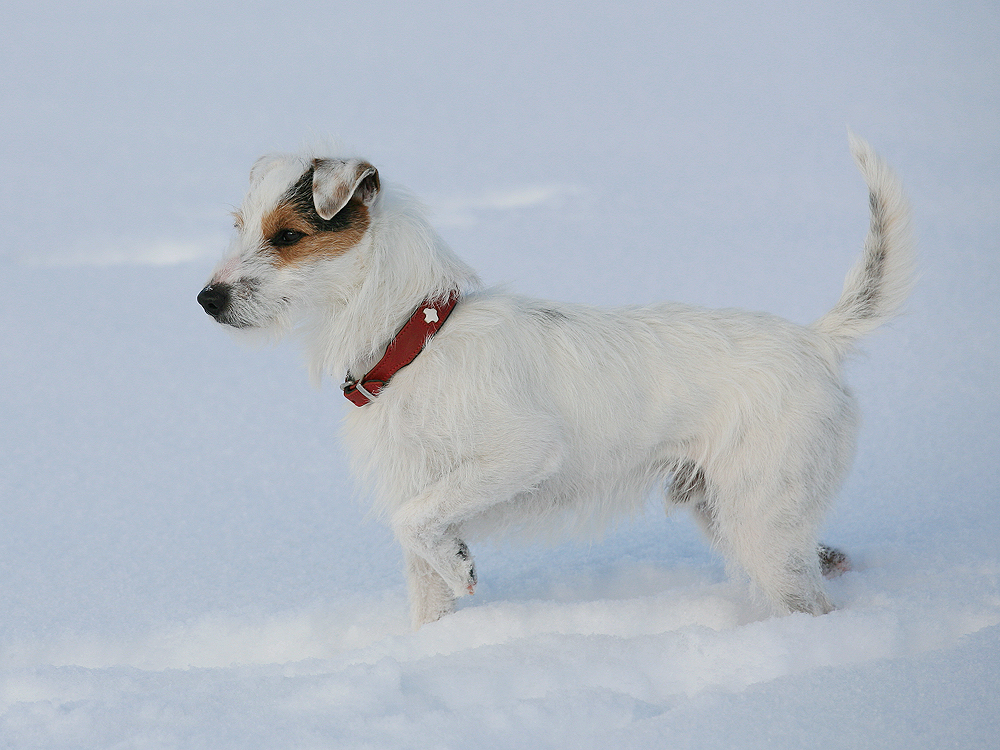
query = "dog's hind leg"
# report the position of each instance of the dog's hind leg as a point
(689, 488)
(768, 529)
(833, 562)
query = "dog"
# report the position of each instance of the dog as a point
(477, 412)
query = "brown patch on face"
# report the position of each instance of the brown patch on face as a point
(294, 232)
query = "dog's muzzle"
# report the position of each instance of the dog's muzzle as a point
(215, 298)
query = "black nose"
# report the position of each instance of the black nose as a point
(214, 298)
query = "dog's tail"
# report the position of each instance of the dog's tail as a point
(881, 280)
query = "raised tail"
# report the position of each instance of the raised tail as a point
(881, 280)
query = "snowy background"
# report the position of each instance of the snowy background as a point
(183, 560)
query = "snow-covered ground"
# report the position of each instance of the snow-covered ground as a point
(183, 561)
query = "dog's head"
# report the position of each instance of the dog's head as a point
(301, 217)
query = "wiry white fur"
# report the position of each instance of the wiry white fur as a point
(881, 280)
(527, 415)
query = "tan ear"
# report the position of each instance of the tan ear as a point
(335, 181)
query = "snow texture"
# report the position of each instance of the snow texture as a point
(184, 562)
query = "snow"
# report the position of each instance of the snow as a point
(183, 559)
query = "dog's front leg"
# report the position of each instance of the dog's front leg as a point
(429, 525)
(427, 529)
(439, 566)
(430, 597)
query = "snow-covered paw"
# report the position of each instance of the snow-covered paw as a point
(436, 581)
(460, 570)
(441, 549)
(833, 562)
(467, 569)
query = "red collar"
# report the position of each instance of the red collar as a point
(402, 350)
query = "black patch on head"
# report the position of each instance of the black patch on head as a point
(300, 197)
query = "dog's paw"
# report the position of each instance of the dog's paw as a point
(833, 562)
(467, 570)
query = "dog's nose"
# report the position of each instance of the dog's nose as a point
(214, 298)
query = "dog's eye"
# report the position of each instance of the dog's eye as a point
(286, 237)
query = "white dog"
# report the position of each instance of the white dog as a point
(509, 413)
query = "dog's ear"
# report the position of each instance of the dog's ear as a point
(336, 181)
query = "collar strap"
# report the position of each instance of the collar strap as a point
(402, 350)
